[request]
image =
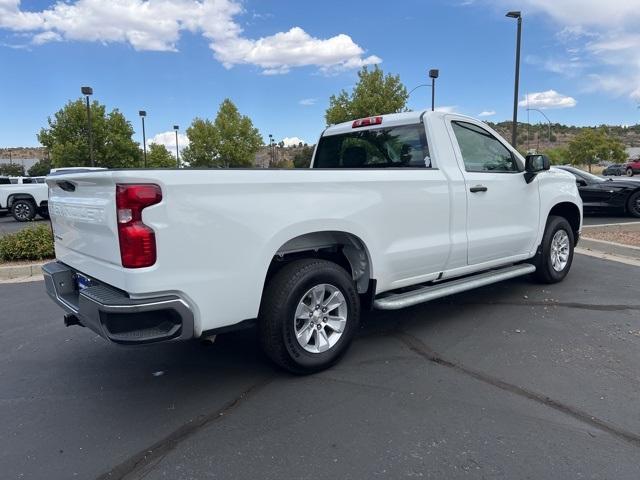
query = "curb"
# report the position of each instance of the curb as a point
(13, 272)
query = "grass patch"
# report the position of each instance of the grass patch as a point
(33, 243)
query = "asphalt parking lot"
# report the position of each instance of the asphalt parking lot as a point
(517, 380)
(9, 225)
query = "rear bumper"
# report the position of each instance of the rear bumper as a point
(113, 315)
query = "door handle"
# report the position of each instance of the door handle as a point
(478, 188)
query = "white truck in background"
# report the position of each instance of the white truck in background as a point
(24, 200)
(395, 210)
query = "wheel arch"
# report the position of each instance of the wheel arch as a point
(344, 248)
(20, 196)
(571, 212)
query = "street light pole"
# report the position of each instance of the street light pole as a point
(87, 91)
(175, 128)
(546, 118)
(514, 127)
(143, 114)
(433, 74)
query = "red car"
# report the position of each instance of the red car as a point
(632, 167)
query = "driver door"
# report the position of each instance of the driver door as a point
(502, 208)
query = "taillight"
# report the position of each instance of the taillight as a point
(137, 241)
(365, 122)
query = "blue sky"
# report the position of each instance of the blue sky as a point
(280, 61)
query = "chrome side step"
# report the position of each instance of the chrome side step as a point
(425, 294)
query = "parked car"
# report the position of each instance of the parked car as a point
(600, 194)
(632, 167)
(25, 201)
(615, 169)
(396, 210)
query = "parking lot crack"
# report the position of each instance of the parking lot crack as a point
(142, 463)
(576, 305)
(420, 348)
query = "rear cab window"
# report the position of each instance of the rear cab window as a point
(403, 146)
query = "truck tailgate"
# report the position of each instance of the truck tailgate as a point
(83, 216)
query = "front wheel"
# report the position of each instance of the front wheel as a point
(556, 251)
(629, 172)
(633, 206)
(309, 315)
(23, 210)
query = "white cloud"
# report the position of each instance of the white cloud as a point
(158, 24)
(548, 99)
(599, 36)
(580, 13)
(168, 139)
(487, 113)
(447, 109)
(307, 102)
(293, 141)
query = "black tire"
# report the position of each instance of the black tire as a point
(44, 212)
(633, 205)
(23, 210)
(629, 172)
(545, 271)
(277, 320)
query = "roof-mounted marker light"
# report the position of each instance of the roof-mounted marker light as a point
(365, 122)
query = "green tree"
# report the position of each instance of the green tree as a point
(158, 156)
(302, 159)
(12, 169)
(67, 140)
(593, 145)
(557, 155)
(238, 139)
(230, 140)
(202, 150)
(40, 168)
(374, 94)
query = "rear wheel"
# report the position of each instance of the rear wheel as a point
(309, 315)
(556, 252)
(23, 210)
(633, 205)
(629, 172)
(44, 212)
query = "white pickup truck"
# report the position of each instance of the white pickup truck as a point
(24, 200)
(396, 210)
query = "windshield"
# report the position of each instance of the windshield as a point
(403, 146)
(585, 175)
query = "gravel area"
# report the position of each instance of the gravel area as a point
(625, 236)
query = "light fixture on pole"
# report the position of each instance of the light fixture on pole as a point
(87, 92)
(514, 127)
(143, 114)
(176, 128)
(433, 74)
(546, 118)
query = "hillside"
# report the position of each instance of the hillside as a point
(561, 135)
(534, 136)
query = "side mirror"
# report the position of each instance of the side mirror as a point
(580, 182)
(535, 164)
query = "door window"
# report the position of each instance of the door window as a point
(481, 151)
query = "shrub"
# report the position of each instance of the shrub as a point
(33, 243)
